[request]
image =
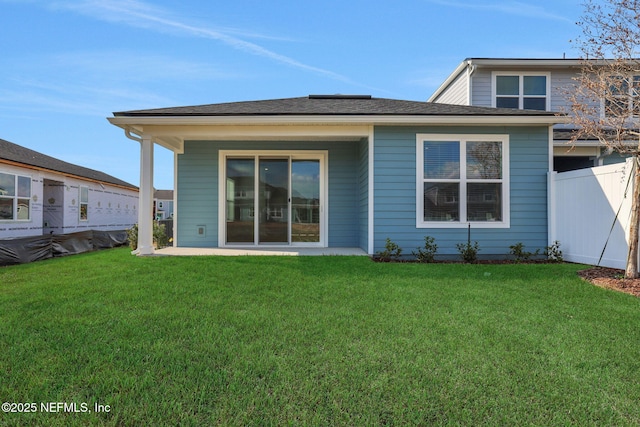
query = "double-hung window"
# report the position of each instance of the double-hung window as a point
(462, 179)
(623, 96)
(15, 197)
(525, 91)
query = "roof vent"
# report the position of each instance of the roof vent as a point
(339, 96)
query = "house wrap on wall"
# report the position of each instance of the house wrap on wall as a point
(40, 195)
(348, 171)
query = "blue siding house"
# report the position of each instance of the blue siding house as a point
(348, 171)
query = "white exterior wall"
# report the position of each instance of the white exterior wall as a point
(561, 81)
(164, 209)
(586, 203)
(481, 88)
(57, 208)
(458, 91)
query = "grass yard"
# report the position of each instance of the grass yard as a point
(313, 341)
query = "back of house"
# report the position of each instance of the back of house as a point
(348, 171)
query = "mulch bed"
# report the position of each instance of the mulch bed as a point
(611, 278)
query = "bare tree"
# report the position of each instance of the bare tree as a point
(605, 102)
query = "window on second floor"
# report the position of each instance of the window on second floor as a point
(528, 91)
(623, 97)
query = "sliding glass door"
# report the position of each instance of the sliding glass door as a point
(274, 199)
(240, 196)
(305, 200)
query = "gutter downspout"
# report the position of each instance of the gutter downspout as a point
(471, 69)
(127, 132)
(602, 153)
(551, 195)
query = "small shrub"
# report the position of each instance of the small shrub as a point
(132, 235)
(468, 252)
(160, 239)
(426, 253)
(553, 252)
(391, 251)
(520, 254)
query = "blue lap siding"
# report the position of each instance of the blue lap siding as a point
(198, 188)
(364, 194)
(395, 191)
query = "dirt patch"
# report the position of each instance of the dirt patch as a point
(611, 278)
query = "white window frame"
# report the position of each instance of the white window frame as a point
(632, 99)
(463, 139)
(521, 96)
(16, 198)
(321, 155)
(80, 203)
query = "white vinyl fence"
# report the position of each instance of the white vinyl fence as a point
(584, 219)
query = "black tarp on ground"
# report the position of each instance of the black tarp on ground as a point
(28, 249)
(25, 249)
(72, 243)
(109, 239)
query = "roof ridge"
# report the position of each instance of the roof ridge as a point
(16, 153)
(329, 105)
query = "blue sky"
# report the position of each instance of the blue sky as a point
(68, 64)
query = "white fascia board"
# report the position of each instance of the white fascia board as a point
(565, 150)
(171, 132)
(258, 131)
(566, 143)
(555, 63)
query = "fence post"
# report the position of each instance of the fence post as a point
(551, 207)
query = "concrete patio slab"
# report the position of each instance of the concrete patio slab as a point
(288, 251)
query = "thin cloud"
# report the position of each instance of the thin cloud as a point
(131, 66)
(91, 83)
(69, 97)
(140, 14)
(507, 7)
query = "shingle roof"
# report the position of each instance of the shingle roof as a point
(18, 154)
(566, 134)
(335, 105)
(562, 134)
(163, 194)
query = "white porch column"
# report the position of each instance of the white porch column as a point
(145, 214)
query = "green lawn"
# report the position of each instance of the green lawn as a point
(313, 341)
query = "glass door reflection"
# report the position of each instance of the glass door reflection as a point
(273, 202)
(305, 201)
(240, 200)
